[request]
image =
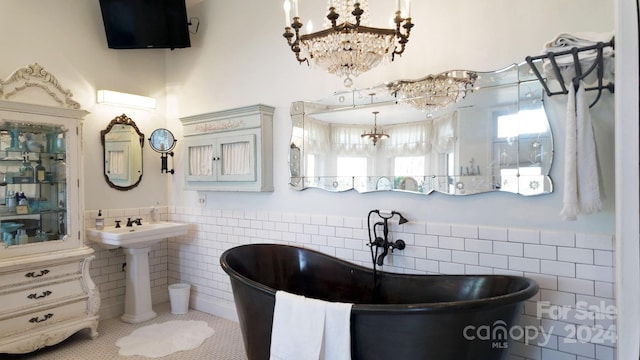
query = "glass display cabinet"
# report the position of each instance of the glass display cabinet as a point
(33, 173)
(46, 292)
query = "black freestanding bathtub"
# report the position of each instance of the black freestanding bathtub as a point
(399, 317)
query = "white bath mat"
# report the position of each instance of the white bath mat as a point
(158, 340)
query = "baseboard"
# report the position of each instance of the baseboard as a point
(109, 310)
(115, 308)
(211, 306)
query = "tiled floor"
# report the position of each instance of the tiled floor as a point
(224, 344)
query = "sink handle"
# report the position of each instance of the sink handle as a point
(117, 223)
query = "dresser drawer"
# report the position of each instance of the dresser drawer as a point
(39, 273)
(34, 319)
(39, 295)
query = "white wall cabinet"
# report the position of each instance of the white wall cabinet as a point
(229, 150)
(46, 292)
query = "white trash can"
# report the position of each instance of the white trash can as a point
(179, 298)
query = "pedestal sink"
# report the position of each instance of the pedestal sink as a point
(137, 241)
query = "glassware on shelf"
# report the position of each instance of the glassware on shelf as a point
(52, 138)
(26, 169)
(60, 143)
(59, 169)
(40, 172)
(15, 140)
(10, 200)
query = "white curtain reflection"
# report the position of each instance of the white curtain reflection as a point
(117, 163)
(416, 138)
(444, 132)
(347, 141)
(317, 136)
(408, 139)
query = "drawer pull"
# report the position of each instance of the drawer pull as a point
(38, 320)
(36, 296)
(34, 275)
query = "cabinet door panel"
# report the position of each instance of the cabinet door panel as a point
(200, 161)
(237, 158)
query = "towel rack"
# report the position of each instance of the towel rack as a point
(597, 65)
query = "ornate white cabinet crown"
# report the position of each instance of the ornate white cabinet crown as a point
(46, 293)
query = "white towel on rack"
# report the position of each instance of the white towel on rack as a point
(581, 176)
(566, 41)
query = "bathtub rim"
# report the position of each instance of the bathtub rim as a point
(489, 302)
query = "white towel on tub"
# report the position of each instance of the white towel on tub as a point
(337, 332)
(310, 329)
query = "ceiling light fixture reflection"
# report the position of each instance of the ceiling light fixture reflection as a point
(434, 92)
(375, 134)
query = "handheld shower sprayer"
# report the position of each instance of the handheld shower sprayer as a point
(383, 241)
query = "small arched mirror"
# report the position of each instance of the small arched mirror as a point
(122, 143)
(163, 142)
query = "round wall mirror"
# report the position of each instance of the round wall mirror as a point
(162, 140)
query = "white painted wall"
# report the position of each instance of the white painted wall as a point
(230, 66)
(67, 38)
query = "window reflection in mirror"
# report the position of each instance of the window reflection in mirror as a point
(495, 139)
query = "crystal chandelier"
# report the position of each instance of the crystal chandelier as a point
(375, 134)
(434, 92)
(347, 46)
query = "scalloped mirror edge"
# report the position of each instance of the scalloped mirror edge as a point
(459, 133)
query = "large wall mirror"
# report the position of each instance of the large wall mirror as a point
(489, 132)
(122, 144)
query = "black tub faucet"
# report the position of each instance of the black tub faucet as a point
(376, 241)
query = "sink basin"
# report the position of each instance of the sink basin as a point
(137, 241)
(137, 236)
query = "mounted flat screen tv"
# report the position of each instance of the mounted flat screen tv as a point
(141, 24)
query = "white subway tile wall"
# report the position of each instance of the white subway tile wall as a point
(572, 317)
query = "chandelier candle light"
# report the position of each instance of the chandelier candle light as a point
(347, 46)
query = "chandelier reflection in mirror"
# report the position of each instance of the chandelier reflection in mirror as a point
(375, 134)
(434, 92)
(347, 46)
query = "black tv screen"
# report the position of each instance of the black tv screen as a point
(139, 24)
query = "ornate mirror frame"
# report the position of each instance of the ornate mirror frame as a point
(133, 172)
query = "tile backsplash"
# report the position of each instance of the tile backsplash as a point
(572, 316)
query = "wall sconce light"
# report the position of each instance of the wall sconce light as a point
(123, 99)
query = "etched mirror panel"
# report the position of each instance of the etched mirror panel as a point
(493, 135)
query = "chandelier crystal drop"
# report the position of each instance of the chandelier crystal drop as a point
(347, 46)
(375, 134)
(434, 92)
